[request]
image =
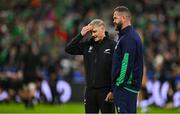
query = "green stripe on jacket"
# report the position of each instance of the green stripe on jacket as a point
(124, 66)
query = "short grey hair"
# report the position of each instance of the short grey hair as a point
(97, 22)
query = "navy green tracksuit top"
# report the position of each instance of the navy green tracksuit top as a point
(127, 63)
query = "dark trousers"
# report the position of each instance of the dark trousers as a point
(95, 101)
(124, 100)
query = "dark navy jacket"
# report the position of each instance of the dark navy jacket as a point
(127, 63)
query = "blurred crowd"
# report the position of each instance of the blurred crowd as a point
(33, 34)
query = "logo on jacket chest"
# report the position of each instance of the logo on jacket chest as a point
(90, 49)
(107, 51)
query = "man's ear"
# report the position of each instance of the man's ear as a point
(123, 18)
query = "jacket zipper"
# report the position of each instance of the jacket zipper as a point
(95, 60)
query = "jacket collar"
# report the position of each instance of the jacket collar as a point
(125, 30)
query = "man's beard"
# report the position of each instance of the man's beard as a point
(118, 26)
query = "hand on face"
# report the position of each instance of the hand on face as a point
(86, 29)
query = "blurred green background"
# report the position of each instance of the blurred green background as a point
(34, 33)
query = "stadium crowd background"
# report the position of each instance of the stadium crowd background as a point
(33, 34)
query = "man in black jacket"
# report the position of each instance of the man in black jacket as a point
(97, 54)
